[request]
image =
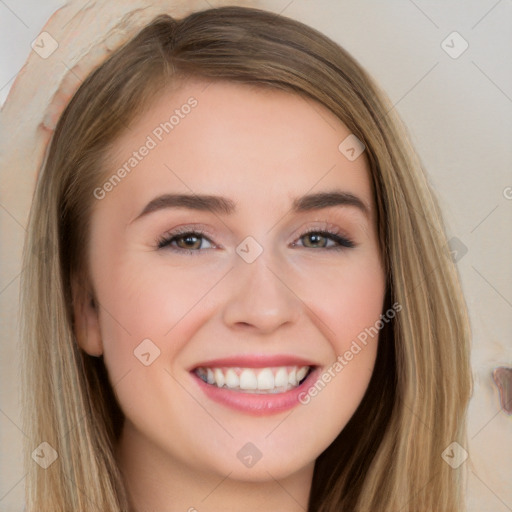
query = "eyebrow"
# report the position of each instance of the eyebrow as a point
(225, 206)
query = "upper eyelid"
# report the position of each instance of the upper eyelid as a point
(205, 232)
(325, 226)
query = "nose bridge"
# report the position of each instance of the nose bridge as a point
(260, 295)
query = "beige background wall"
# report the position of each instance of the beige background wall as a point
(459, 113)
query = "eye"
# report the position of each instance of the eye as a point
(316, 236)
(188, 241)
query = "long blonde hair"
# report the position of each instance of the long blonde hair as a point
(388, 457)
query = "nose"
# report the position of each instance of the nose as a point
(259, 296)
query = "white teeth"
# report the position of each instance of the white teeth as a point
(248, 380)
(232, 380)
(254, 380)
(292, 377)
(266, 379)
(301, 373)
(281, 378)
(219, 377)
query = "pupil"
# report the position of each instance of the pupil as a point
(314, 238)
(189, 239)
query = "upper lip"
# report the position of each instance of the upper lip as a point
(255, 361)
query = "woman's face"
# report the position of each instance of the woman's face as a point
(257, 298)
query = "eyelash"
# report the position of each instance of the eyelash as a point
(333, 234)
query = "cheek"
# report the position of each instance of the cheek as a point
(351, 307)
(348, 304)
(143, 301)
(348, 299)
(359, 303)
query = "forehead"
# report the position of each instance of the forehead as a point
(255, 144)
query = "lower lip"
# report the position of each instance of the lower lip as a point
(259, 404)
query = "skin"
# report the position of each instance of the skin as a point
(260, 148)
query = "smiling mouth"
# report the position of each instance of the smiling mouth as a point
(274, 379)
